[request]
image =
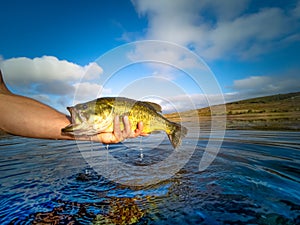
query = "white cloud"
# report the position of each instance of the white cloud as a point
(44, 69)
(253, 83)
(165, 59)
(254, 86)
(163, 52)
(24, 70)
(86, 91)
(54, 88)
(250, 35)
(217, 29)
(249, 87)
(47, 78)
(232, 29)
(185, 102)
(92, 71)
(225, 10)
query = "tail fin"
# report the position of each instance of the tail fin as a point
(3, 88)
(176, 135)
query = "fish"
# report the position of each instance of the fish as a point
(97, 116)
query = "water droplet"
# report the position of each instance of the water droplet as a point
(87, 171)
(141, 149)
(92, 144)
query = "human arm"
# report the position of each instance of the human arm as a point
(27, 117)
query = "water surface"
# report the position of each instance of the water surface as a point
(255, 179)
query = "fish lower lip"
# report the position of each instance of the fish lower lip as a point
(69, 128)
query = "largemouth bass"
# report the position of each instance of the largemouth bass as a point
(97, 116)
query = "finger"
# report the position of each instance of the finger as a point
(140, 126)
(117, 130)
(127, 127)
(139, 130)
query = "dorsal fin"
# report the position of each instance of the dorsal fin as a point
(156, 106)
(3, 88)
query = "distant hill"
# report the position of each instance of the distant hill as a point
(276, 112)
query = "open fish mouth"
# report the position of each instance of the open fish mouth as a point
(79, 125)
(83, 124)
(76, 117)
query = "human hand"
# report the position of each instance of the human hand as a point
(119, 135)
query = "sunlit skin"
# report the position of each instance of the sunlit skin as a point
(27, 117)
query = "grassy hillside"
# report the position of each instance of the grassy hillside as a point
(277, 112)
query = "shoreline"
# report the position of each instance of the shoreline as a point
(245, 123)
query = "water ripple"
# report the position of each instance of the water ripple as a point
(253, 180)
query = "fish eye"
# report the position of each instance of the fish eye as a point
(84, 106)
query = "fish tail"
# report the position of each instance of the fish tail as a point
(176, 134)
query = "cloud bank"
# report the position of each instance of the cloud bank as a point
(220, 29)
(231, 30)
(51, 80)
(254, 86)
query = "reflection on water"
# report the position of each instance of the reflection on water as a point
(255, 179)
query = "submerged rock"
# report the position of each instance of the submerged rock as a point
(122, 211)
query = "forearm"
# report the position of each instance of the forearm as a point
(26, 117)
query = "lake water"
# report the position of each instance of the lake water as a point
(255, 179)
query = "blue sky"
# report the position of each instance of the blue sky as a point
(50, 50)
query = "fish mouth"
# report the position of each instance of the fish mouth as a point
(78, 123)
(73, 113)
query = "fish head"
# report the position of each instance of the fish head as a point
(85, 120)
(79, 121)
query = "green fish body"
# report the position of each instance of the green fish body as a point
(97, 116)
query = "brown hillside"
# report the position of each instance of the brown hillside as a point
(274, 112)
